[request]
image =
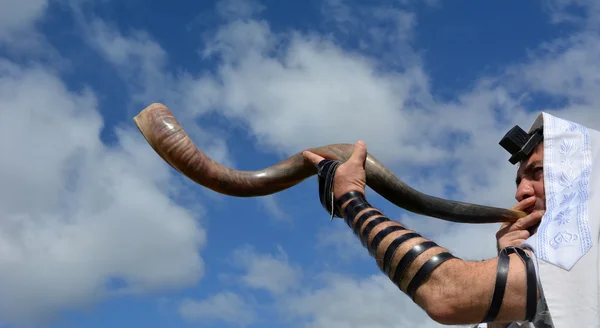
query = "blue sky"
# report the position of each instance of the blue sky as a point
(97, 231)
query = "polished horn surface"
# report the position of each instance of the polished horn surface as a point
(166, 136)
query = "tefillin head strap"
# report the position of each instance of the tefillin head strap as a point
(520, 144)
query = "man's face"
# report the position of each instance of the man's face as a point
(530, 180)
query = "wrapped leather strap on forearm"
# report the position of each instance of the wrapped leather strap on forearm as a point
(384, 239)
(384, 245)
(500, 286)
(532, 286)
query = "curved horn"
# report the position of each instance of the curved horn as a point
(166, 136)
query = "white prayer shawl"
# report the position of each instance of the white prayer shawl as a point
(566, 242)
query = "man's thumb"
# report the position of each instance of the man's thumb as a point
(359, 155)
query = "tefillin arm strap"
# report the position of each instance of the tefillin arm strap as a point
(385, 243)
(502, 278)
(383, 238)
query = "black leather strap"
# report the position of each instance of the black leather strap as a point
(499, 287)
(351, 213)
(322, 169)
(326, 172)
(364, 236)
(531, 306)
(361, 220)
(345, 197)
(381, 236)
(425, 271)
(501, 279)
(393, 247)
(348, 217)
(348, 210)
(409, 257)
(322, 163)
(328, 193)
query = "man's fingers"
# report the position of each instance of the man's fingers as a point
(519, 234)
(513, 238)
(359, 155)
(504, 225)
(312, 157)
(525, 203)
(517, 242)
(528, 221)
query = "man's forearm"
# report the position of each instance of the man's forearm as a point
(450, 290)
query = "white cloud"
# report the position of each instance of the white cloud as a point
(313, 85)
(19, 35)
(226, 307)
(566, 71)
(336, 242)
(142, 65)
(271, 205)
(266, 271)
(140, 60)
(309, 83)
(343, 301)
(18, 16)
(74, 212)
(580, 12)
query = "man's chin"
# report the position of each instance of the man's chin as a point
(533, 229)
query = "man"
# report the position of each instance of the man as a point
(530, 195)
(557, 266)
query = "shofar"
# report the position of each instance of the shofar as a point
(164, 133)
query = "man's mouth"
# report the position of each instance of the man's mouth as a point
(533, 228)
(530, 209)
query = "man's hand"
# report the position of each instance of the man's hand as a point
(351, 175)
(514, 234)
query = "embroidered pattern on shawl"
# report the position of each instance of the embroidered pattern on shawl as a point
(564, 234)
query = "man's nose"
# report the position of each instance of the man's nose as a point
(524, 190)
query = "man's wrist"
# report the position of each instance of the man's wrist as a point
(344, 192)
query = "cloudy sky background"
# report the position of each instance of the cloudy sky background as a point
(97, 231)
